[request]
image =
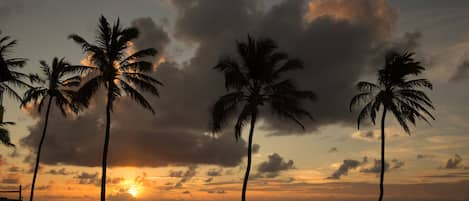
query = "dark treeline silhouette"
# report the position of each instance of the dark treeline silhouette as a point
(256, 80)
(394, 93)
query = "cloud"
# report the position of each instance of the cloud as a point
(333, 150)
(61, 171)
(273, 166)
(151, 35)
(178, 133)
(450, 175)
(362, 166)
(345, 167)
(184, 176)
(88, 178)
(214, 172)
(462, 72)
(216, 191)
(424, 156)
(10, 179)
(376, 168)
(454, 163)
(15, 169)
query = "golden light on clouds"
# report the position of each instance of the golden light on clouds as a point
(355, 11)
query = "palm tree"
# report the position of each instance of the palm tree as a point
(396, 93)
(61, 78)
(10, 79)
(116, 71)
(256, 80)
(5, 134)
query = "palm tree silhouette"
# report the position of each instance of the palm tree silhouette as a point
(9, 76)
(397, 94)
(117, 72)
(61, 78)
(5, 134)
(254, 81)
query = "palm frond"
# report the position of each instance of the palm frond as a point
(135, 95)
(235, 78)
(224, 108)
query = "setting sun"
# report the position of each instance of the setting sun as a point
(133, 191)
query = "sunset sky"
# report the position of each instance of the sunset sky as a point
(172, 156)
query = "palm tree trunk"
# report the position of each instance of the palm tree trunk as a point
(38, 155)
(106, 146)
(2, 110)
(381, 181)
(248, 168)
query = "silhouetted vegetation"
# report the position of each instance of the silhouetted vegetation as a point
(119, 73)
(396, 93)
(60, 79)
(5, 134)
(10, 80)
(254, 81)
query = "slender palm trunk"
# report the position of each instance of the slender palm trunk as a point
(381, 181)
(2, 110)
(38, 155)
(106, 146)
(248, 168)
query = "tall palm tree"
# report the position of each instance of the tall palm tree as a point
(5, 134)
(117, 72)
(396, 93)
(61, 77)
(254, 81)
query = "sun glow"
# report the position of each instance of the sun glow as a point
(133, 191)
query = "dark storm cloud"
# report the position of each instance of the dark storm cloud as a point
(151, 35)
(335, 52)
(345, 167)
(454, 163)
(273, 166)
(176, 135)
(462, 72)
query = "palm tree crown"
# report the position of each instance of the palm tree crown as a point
(60, 79)
(396, 92)
(114, 69)
(256, 81)
(10, 77)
